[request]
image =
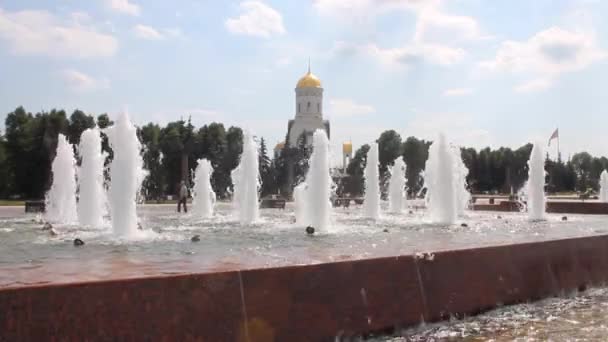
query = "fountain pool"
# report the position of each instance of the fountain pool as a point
(29, 255)
(573, 317)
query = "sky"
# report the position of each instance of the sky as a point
(486, 73)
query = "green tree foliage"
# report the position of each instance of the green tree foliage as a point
(28, 146)
(265, 168)
(31, 143)
(173, 140)
(154, 185)
(415, 154)
(5, 171)
(354, 183)
(79, 122)
(389, 149)
(588, 170)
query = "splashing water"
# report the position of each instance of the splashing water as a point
(313, 197)
(61, 198)
(203, 199)
(445, 180)
(246, 183)
(299, 197)
(463, 196)
(127, 174)
(91, 196)
(371, 204)
(396, 187)
(604, 186)
(536, 184)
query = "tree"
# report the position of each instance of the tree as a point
(172, 144)
(415, 154)
(234, 148)
(5, 170)
(389, 149)
(582, 163)
(265, 169)
(154, 185)
(354, 185)
(18, 145)
(79, 122)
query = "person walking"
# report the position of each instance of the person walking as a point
(182, 197)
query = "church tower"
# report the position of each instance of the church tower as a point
(309, 110)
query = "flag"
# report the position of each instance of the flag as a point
(555, 135)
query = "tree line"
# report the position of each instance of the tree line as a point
(28, 143)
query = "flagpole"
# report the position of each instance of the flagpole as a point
(558, 157)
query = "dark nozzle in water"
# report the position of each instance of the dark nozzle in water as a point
(411, 212)
(464, 225)
(47, 226)
(196, 238)
(78, 242)
(385, 230)
(310, 230)
(499, 217)
(564, 218)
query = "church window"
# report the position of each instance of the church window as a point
(318, 107)
(308, 106)
(298, 107)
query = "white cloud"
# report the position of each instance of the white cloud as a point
(147, 32)
(433, 41)
(547, 54)
(534, 85)
(552, 51)
(348, 108)
(150, 33)
(436, 26)
(433, 24)
(81, 82)
(458, 92)
(362, 8)
(80, 17)
(124, 7)
(407, 56)
(256, 19)
(41, 33)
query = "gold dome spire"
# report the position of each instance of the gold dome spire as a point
(309, 80)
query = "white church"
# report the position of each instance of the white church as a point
(309, 116)
(309, 111)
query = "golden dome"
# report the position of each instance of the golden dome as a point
(347, 147)
(309, 81)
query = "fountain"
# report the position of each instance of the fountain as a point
(126, 173)
(91, 195)
(203, 198)
(61, 198)
(246, 183)
(371, 204)
(463, 196)
(396, 187)
(299, 197)
(536, 184)
(444, 180)
(604, 186)
(313, 206)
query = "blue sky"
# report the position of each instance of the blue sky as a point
(484, 72)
